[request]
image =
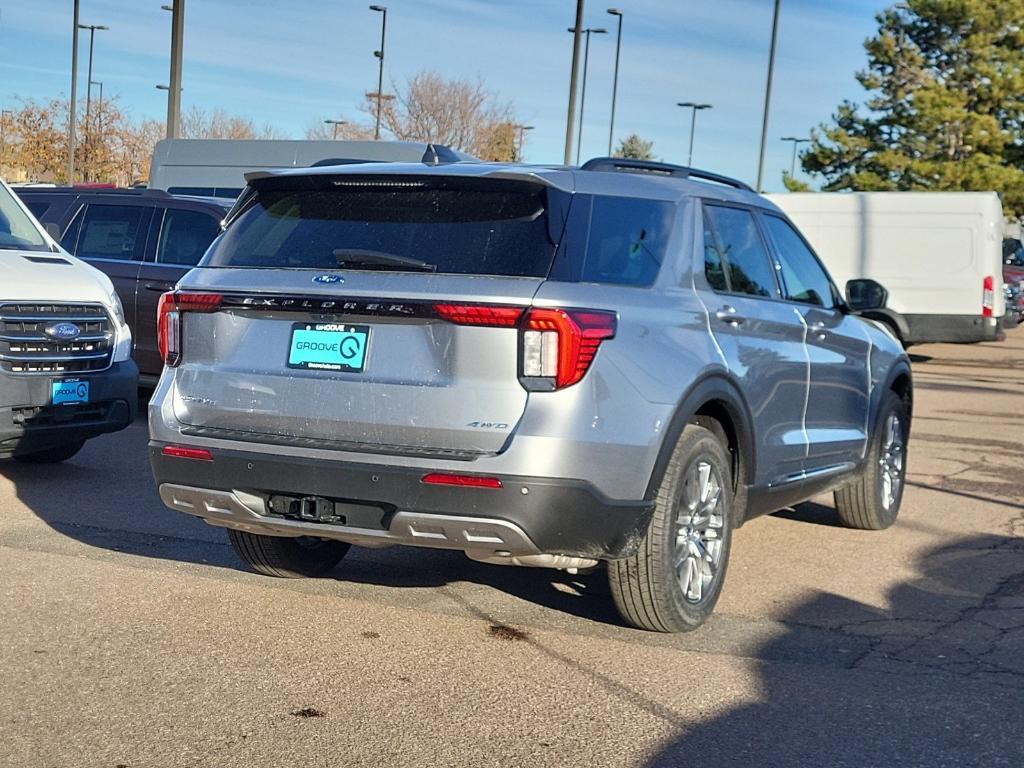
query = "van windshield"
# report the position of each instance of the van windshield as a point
(18, 232)
(455, 226)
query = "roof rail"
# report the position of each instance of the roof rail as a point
(660, 169)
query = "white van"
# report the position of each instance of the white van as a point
(217, 167)
(66, 373)
(939, 255)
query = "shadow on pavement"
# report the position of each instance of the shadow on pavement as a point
(939, 677)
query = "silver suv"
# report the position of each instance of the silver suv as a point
(538, 366)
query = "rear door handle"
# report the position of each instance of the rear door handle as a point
(728, 314)
(157, 287)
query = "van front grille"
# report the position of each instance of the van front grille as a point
(54, 338)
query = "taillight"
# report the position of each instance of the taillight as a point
(491, 315)
(168, 320)
(558, 345)
(988, 297)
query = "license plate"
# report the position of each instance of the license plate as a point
(328, 346)
(69, 391)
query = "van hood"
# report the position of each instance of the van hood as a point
(48, 276)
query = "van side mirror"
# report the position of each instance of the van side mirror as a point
(52, 230)
(863, 295)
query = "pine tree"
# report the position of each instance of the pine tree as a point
(635, 148)
(945, 108)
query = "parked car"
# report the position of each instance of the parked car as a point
(66, 373)
(1013, 261)
(536, 366)
(937, 253)
(143, 240)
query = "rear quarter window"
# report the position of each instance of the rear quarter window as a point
(628, 239)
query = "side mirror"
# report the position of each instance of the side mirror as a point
(52, 230)
(863, 295)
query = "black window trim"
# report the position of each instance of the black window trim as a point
(779, 296)
(838, 302)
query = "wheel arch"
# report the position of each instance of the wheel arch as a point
(716, 402)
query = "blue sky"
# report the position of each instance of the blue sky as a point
(292, 64)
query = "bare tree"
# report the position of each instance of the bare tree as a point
(461, 114)
(197, 123)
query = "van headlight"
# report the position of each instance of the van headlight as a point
(116, 307)
(122, 333)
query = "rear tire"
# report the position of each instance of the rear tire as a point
(872, 502)
(287, 558)
(53, 455)
(673, 581)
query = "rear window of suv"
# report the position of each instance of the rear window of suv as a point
(461, 226)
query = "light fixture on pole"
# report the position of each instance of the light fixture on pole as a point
(615, 81)
(522, 138)
(335, 124)
(583, 90)
(383, 11)
(768, 96)
(693, 122)
(88, 89)
(796, 141)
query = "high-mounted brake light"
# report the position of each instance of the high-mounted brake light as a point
(462, 481)
(988, 297)
(558, 345)
(168, 320)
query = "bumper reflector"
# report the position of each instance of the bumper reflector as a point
(464, 481)
(181, 452)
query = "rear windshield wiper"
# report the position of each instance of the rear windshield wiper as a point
(380, 260)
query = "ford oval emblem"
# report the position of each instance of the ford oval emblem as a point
(63, 331)
(329, 279)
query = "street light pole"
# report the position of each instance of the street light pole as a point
(768, 96)
(177, 9)
(796, 141)
(522, 138)
(99, 107)
(583, 90)
(72, 117)
(615, 82)
(570, 120)
(336, 123)
(693, 122)
(88, 88)
(380, 55)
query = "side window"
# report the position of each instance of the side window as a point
(184, 236)
(804, 279)
(748, 269)
(110, 232)
(628, 239)
(38, 207)
(714, 270)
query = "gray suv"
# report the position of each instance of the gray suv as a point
(538, 366)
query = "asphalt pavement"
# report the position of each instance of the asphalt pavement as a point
(131, 636)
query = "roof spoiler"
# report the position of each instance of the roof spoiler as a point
(626, 165)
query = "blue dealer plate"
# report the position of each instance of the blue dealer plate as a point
(328, 346)
(69, 391)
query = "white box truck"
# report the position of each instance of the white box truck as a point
(939, 255)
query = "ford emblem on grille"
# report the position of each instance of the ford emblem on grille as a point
(329, 279)
(63, 331)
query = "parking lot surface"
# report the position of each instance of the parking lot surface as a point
(131, 636)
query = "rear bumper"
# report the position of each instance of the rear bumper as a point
(390, 505)
(923, 329)
(28, 423)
